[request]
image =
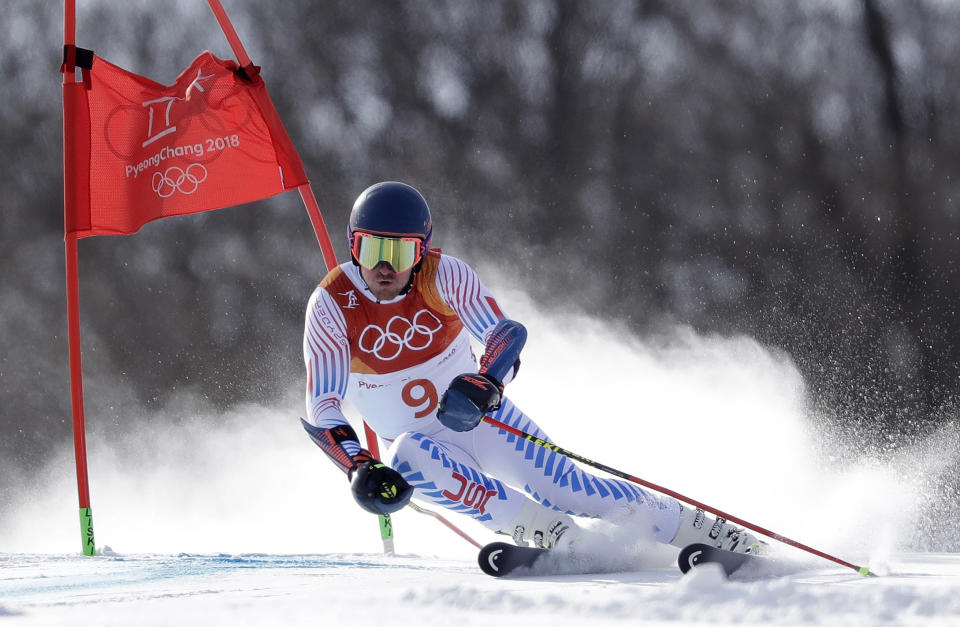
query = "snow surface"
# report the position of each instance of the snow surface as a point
(411, 590)
(237, 519)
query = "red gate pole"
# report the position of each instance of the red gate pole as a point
(76, 396)
(73, 292)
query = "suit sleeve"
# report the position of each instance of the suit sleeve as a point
(462, 290)
(326, 355)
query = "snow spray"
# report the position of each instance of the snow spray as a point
(723, 420)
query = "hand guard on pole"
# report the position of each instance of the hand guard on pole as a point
(501, 356)
(341, 445)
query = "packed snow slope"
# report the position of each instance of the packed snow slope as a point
(237, 518)
(414, 590)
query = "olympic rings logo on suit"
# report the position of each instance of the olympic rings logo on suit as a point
(387, 343)
(175, 179)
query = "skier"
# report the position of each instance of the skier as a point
(390, 331)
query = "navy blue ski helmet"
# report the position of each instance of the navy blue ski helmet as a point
(391, 209)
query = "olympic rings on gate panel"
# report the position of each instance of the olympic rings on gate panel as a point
(400, 333)
(176, 179)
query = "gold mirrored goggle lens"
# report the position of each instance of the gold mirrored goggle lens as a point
(402, 253)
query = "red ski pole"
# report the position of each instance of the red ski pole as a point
(863, 570)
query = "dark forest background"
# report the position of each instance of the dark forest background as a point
(786, 170)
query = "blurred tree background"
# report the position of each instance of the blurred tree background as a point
(778, 169)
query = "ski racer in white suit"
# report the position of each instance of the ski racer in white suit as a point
(390, 332)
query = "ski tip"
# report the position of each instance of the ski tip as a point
(863, 570)
(491, 559)
(500, 559)
(694, 555)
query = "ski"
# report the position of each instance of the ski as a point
(696, 554)
(499, 558)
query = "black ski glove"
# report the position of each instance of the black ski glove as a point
(378, 488)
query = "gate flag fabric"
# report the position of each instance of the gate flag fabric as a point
(138, 151)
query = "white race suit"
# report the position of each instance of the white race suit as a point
(393, 360)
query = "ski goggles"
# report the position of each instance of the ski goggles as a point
(401, 253)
